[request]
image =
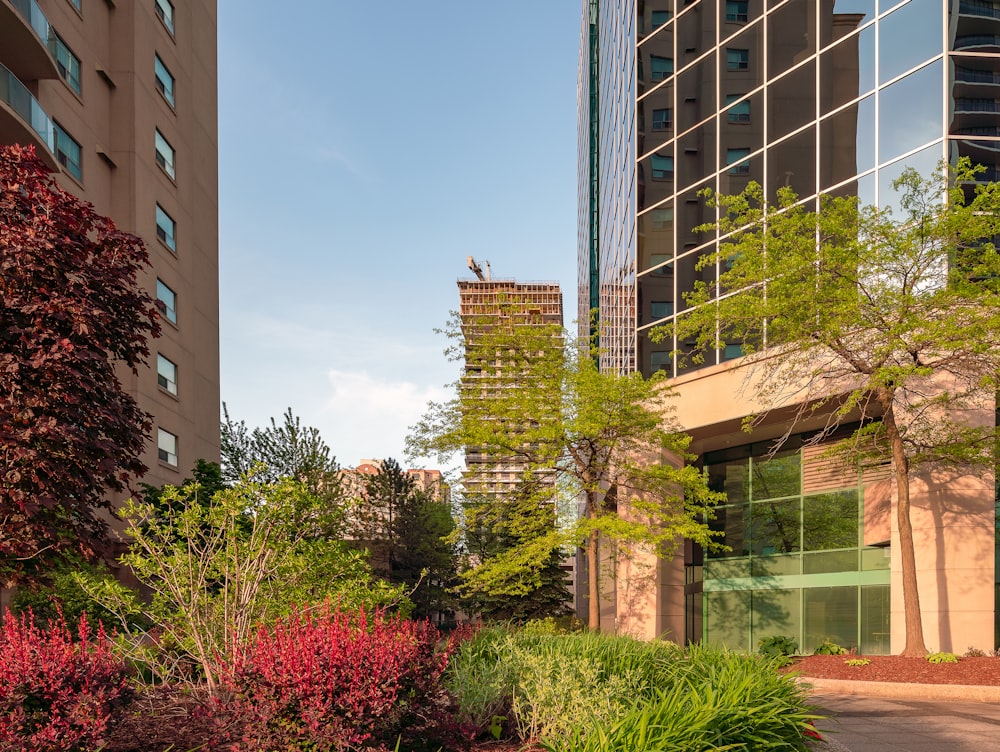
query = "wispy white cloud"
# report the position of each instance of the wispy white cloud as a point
(368, 416)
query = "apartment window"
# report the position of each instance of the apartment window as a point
(662, 261)
(67, 63)
(659, 361)
(661, 309)
(662, 219)
(166, 447)
(737, 10)
(76, 4)
(166, 229)
(739, 113)
(165, 155)
(164, 80)
(166, 301)
(165, 12)
(732, 351)
(662, 119)
(663, 167)
(737, 60)
(661, 67)
(166, 374)
(737, 158)
(68, 152)
(660, 17)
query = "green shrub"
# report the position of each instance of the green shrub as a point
(857, 662)
(718, 701)
(777, 645)
(942, 658)
(830, 648)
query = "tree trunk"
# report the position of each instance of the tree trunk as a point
(914, 647)
(593, 583)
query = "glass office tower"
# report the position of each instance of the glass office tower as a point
(824, 96)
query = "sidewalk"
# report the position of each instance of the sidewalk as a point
(881, 724)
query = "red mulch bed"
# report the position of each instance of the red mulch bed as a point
(894, 668)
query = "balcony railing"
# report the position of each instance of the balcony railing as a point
(986, 130)
(31, 13)
(17, 96)
(973, 76)
(977, 105)
(977, 40)
(974, 8)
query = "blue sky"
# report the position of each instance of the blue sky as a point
(365, 150)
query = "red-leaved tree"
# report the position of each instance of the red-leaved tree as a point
(70, 310)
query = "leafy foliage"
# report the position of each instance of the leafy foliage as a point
(62, 597)
(219, 566)
(942, 658)
(57, 692)
(335, 681)
(532, 398)
(883, 319)
(778, 646)
(829, 648)
(71, 310)
(857, 662)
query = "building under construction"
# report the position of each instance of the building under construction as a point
(483, 303)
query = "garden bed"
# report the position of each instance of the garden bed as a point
(894, 668)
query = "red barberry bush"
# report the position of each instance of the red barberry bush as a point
(334, 681)
(57, 693)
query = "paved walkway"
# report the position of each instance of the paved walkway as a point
(879, 724)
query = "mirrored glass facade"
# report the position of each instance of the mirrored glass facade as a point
(834, 96)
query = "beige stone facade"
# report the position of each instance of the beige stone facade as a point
(121, 99)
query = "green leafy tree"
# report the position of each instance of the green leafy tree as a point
(218, 566)
(511, 574)
(530, 396)
(890, 318)
(408, 536)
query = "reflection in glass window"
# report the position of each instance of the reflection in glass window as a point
(737, 158)
(727, 619)
(830, 521)
(776, 477)
(660, 67)
(915, 104)
(831, 615)
(736, 11)
(660, 17)
(661, 309)
(732, 351)
(68, 152)
(659, 361)
(775, 612)
(165, 12)
(733, 522)
(737, 60)
(165, 155)
(166, 301)
(663, 167)
(67, 63)
(908, 36)
(661, 261)
(732, 478)
(775, 527)
(739, 113)
(662, 219)
(164, 80)
(166, 447)
(166, 374)
(166, 228)
(661, 119)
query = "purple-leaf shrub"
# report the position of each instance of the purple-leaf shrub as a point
(335, 681)
(57, 693)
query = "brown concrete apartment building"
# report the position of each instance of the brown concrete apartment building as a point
(120, 97)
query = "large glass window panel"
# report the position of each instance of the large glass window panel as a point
(875, 611)
(847, 143)
(830, 520)
(908, 36)
(775, 527)
(733, 522)
(690, 211)
(69, 153)
(67, 63)
(661, 167)
(695, 94)
(830, 614)
(820, 562)
(873, 559)
(924, 162)
(695, 30)
(731, 478)
(847, 70)
(915, 105)
(791, 35)
(660, 67)
(696, 155)
(727, 619)
(774, 613)
(687, 273)
(792, 164)
(777, 476)
(844, 17)
(776, 565)
(791, 101)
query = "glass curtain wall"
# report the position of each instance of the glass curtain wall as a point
(796, 564)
